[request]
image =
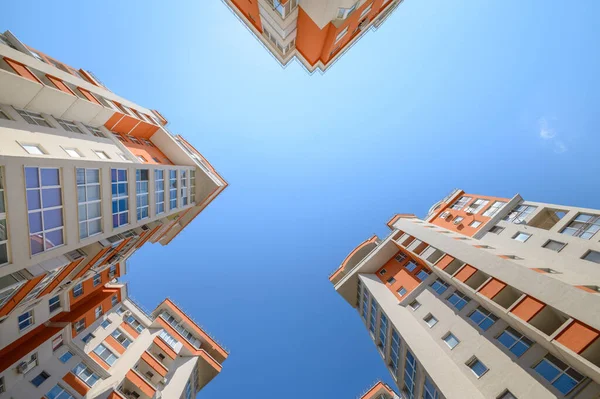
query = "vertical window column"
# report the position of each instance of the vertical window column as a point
(44, 208)
(172, 189)
(184, 188)
(89, 202)
(192, 186)
(142, 196)
(120, 197)
(3, 231)
(410, 374)
(159, 190)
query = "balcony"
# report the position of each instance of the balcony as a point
(135, 386)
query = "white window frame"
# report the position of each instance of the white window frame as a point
(183, 186)
(476, 206)
(159, 190)
(101, 154)
(30, 319)
(172, 189)
(366, 10)
(53, 301)
(341, 35)
(85, 374)
(142, 192)
(86, 202)
(33, 118)
(120, 197)
(72, 152)
(33, 149)
(96, 131)
(461, 203)
(430, 320)
(69, 126)
(494, 209)
(4, 245)
(448, 335)
(192, 186)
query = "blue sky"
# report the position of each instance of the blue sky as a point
(494, 97)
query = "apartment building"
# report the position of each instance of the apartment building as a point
(485, 297)
(379, 390)
(86, 179)
(314, 32)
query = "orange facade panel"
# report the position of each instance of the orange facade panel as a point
(59, 84)
(578, 336)
(310, 39)
(99, 360)
(165, 348)
(250, 9)
(61, 277)
(74, 382)
(25, 345)
(152, 155)
(492, 288)
(465, 273)
(115, 344)
(154, 364)
(21, 70)
(444, 262)
(140, 383)
(528, 308)
(19, 295)
(130, 330)
(88, 95)
(420, 248)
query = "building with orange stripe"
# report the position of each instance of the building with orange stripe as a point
(379, 390)
(485, 297)
(314, 32)
(86, 179)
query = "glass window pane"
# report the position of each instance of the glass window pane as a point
(50, 177)
(93, 210)
(54, 238)
(93, 192)
(31, 177)
(92, 175)
(33, 200)
(53, 219)
(95, 227)
(51, 197)
(547, 370)
(35, 222)
(36, 244)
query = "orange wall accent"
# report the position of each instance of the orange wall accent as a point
(420, 248)
(148, 153)
(444, 262)
(19, 295)
(125, 124)
(403, 277)
(113, 120)
(160, 117)
(343, 264)
(211, 361)
(166, 348)
(250, 9)
(466, 272)
(88, 285)
(89, 95)
(26, 344)
(140, 383)
(492, 288)
(89, 265)
(528, 308)
(577, 336)
(376, 390)
(408, 241)
(155, 365)
(115, 345)
(60, 85)
(61, 277)
(113, 395)
(75, 383)
(88, 77)
(22, 70)
(130, 330)
(310, 39)
(143, 129)
(99, 360)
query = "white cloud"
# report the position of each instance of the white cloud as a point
(547, 133)
(560, 147)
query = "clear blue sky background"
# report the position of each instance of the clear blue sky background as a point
(495, 97)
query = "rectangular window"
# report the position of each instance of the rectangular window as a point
(401, 291)
(184, 189)
(516, 342)
(121, 338)
(494, 209)
(343, 13)
(410, 374)
(341, 34)
(26, 320)
(395, 350)
(411, 266)
(66, 357)
(69, 126)
(96, 131)
(507, 395)
(98, 312)
(101, 154)
(3, 231)
(382, 272)
(78, 290)
(85, 374)
(422, 275)
(366, 10)
(120, 197)
(477, 206)
(460, 203)
(192, 186)
(159, 189)
(400, 257)
(172, 189)
(97, 279)
(57, 342)
(105, 354)
(521, 236)
(592, 256)
(429, 390)
(73, 152)
(365, 305)
(88, 338)
(142, 159)
(414, 305)
(114, 300)
(382, 330)
(40, 378)
(475, 224)
(451, 340)
(458, 300)
(142, 196)
(105, 324)
(430, 320)
(58, 392)
(54, 303)
(554, 245)
(496, 230)
(584, 226)
(458, 219)
(519, 214)
(44, 208)
(89, 202)
(172, 342)
(391, 280)
(373, 321)
(482, 318)
(439, 286)
(557, 373)
(136, 325)
(79, 325)
(477, 367)
(33, 118)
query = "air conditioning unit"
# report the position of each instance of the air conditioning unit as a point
(75, 255)
(363, 24)
(112, 241)
(457, 221)
(22, 367)
(127, 313)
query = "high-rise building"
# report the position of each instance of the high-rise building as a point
(380, 390)
(485, 297)
(86, 179)
(315, 32)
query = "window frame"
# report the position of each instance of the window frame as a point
(554, 241)
(472, 363)
(119, 198)
(488, 316)
(4, 239)
(69, 126)
(51, 304)
(448, 335)
(142, 193)
(27, 321)
(89, 185)
(33, 118)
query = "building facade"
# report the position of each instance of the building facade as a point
(485, 297)
(315, 32)
(379, 390)
(86, 179)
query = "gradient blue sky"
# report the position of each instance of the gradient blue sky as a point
(495, 97)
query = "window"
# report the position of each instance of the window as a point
(411, 266)
(188, 390)
(430, 320)
(119, 137)
(40, 378)
(373, 320)
(123, 157)
(3, 231)
(142, 196)
(458, 219)
(73, 152)
(391, 280)
(134, 140)
(521, 237)
(494, 209)
(460, 203)
(33, 149)
(120, 311)
(88, 337)
(410, 374)
(105, 324)
(400, 257)
(96, 131)
(584, 226)
(343, 13)
(340, 35)
(97, 279)
(429, 390)
(592, 256)
(101, 154)
(557, 373)
(89, 202)
(395, 350)
(477, 367)
(422, 275)
(451, 340)
(112, 271)
(33, 118)
(114, 300)
(382, 330)
(401, 291)
(120, 197)
(98, 312)
(184, 190)
(414, 305)
(365, 305)
(135, 324)
(42, 284)
(458, 300)
(516, 342)
(121, 338)
(159, 188)
(192, 186)
(172, 342)
(105, 354)
(85, 374)
(477, 206)
(142, 159)
(482, 318)
(78, 290)
(69, 126)
(172, 189)
(366, 10)
(496, 230)
(439, 286)
(66, 357)
(4, 116)
(58, 392)
(507, 395)
(25, 320)
(45, 208)
(57, 342)
(54, 303)
(475, 224)
(382, 272)
(519, 214)
(79, 325)
(554, 245)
